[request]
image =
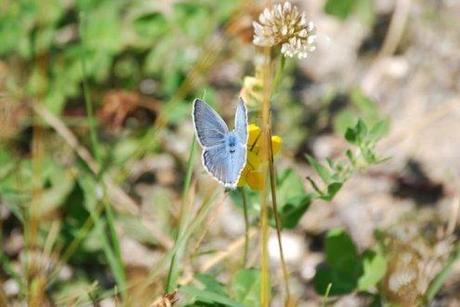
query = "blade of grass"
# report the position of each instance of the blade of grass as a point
(111, 248)
(79, 237)
(87, 97)
(439, 280)
(189, 229)
(326, 295)
(173, 274)
(112, 258)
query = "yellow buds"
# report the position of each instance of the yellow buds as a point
(252, 174)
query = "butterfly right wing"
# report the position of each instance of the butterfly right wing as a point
(209, 126)
(241, 122)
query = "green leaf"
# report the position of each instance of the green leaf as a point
(361, 131)
(289, 186)
(332, 189)
(340, 250)
(379, 130)
(350, 136)
(103, 27)
(343, 265)
(321, 170)
(252, 198)
(341, 283)
(210, 283)
(150, 27)
(245, 287)
(343, 120)
(292, 211)
(365, 105)
(339, 8)
(207, 296)
(374, 266)
(292, 200)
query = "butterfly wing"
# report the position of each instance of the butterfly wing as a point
(224, 165)
(241, 122)
(209, 126)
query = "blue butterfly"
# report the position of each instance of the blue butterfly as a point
(224, 151)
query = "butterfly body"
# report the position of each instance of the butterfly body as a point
(224, 151)
(231, 142)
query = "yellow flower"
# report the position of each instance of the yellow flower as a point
(252, 174)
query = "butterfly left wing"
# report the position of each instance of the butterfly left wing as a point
(209, 126)
(224, 165)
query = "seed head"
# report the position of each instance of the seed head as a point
(284, 25)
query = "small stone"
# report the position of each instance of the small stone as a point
(293, 247)
(11, 287)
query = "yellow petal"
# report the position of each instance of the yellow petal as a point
(253, 160)
(254, 133)
(276, 144)
(255, 180)
(242, 182)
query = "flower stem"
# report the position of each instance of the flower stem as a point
(264, 228)
(288, 301)
(246, 227)
(279, 73)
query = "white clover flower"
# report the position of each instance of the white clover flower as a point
(284, 25)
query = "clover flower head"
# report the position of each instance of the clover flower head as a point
(284, 25)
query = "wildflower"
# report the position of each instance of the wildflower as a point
(284, 25)
(252, 174)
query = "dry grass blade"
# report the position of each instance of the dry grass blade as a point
(120, 198)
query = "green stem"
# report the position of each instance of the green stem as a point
(246, 227)
(279, 73)
(326, 295)
(439, 280)
(173, 273)
(277, 218)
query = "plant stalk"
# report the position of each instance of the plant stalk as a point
(288, 301)
(264, 228)
(246, 227)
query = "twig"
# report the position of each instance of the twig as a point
(396, 28)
